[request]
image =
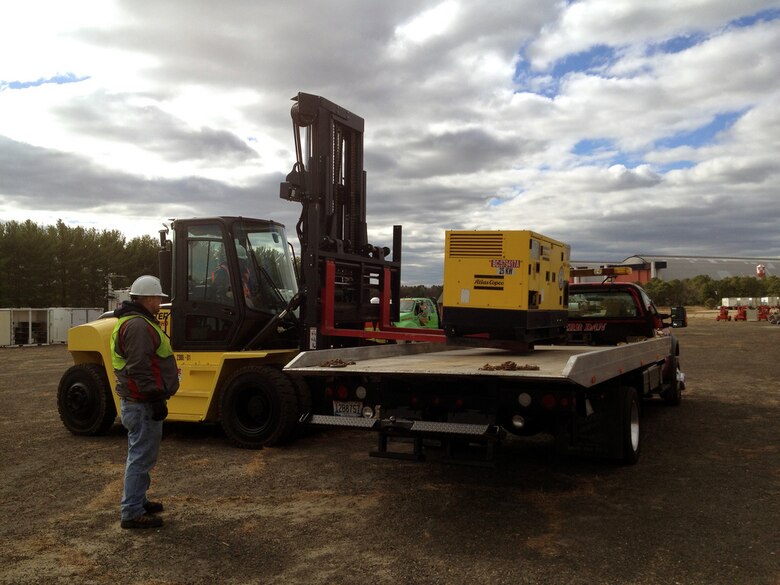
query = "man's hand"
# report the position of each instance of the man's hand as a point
(159, 409)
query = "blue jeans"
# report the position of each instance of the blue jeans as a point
(143, 444)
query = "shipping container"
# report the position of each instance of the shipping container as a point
(61, 319)
(27, 326)
(6, 335)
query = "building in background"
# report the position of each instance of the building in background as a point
(647, 267)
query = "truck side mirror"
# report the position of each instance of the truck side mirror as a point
(679, 317)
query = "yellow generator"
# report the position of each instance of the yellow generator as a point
(507, 285)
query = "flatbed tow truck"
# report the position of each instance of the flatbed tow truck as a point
(488, 375)
(588, 397)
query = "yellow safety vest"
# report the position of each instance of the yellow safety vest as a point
(164, 350)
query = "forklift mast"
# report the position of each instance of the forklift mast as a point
(340, 270)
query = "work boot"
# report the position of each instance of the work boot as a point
(153, 507)
(143, 521)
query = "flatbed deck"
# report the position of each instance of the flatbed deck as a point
(582, 365)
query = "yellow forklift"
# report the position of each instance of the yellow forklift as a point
(239, 312)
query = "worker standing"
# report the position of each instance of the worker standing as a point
(147, 375)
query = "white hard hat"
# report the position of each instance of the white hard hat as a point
(147, 286)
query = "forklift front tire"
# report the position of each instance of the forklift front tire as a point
(258, 407)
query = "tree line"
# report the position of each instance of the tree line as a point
(65, 266)
(704, 291)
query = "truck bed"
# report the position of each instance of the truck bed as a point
(582, 365)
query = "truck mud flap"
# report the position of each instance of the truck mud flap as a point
(591, 437)
(597, 435)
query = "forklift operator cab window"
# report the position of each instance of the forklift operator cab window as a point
(266, 268)
(208, 285)
(208, 275)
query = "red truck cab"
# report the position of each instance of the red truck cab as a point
(612, 313)
(609, 313)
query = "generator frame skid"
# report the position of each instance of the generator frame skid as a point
(505, 285)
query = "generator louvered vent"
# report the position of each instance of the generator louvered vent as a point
(476, 245)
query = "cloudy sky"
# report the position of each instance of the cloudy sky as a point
(617, 126)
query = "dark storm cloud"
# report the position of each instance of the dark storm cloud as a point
(265, 45)
(432, 207)
(452, 153)
(693, 228)
(626, 179)
(66, 182)
(148, 127)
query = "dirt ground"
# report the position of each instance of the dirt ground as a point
(701, 507)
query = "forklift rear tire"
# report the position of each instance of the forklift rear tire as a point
(84, 400)
(258, 407)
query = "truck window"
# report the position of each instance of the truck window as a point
(598, 304)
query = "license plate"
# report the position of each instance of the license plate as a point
(347, 408)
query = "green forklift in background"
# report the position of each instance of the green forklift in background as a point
(418, 312)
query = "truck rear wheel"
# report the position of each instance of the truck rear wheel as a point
(84, 400)
(258, 407)
(673, 394)
(628, 401)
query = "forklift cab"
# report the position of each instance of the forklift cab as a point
(231, 276)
